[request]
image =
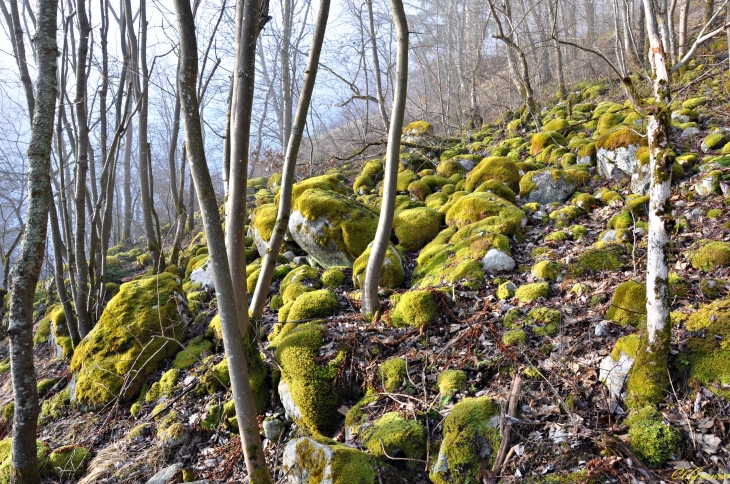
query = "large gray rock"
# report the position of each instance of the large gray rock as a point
(306, 461)
(546, 186)
(623, 163)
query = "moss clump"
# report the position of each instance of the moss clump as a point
(597, 259)
(415, 309)
(540, 141)
(652, 440)
(212, 418)
(392, 274)
(6, 462)
(498, 188)
(547, 320)
(190, 355)
(263, 219)
(713, 142)
(310, 380)
(546, 270)
(628, 305)
(607, 122)
(165, 387)
(452, 166)
(620, 138)
(395, 436)
(348, 465)
(124, 348)
(418, 128)
(450, 382)
(709, 346)
(332, 278)
(505, 217)
(416, 227)
(506, 290)
(470, 443)
(710, 255)
(515, 337)
(69, 461)
(55, 407)
(303, 278)
(557, 236)
(713, 213)
(494, 168)
(392, 373)
(530, 292)
(419, 190)
(45, 385)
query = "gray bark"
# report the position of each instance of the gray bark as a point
(376, 66)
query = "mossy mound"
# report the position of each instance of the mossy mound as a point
(450, 382)
(628, 305)
(315, 304)
(494, 168)
(125, 345)
(263, 219)
(470, 443)
(546, 321)
(710, 255)
(395, 436)
(298, 281)
(331, 228)
(713, 141)
(620, 138)
(330, 183)
(515, 337)
(498, 188)
(530, 292)
(540, 141)
(392, 274)
(652, 440)
(418, 128)
(192, 352)
(333, 277)
(416, 227)
(709, 346)
(546, 270)
(323, 460)
(69, 461)
(392, 373)
(310, 381)
(6, 462)
(496, 211)
(415, 309)
(596, 259)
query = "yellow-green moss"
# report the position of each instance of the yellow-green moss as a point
(415, 309)
(498, 212)
(348, 466)
(652, 441)
(557, 236)
(710, 255)
(391, 434)
(124, 347)
(709, 346)
(597, 259)
(450, 382)
(505, 290)
(416, 227)
(514, 337)
(471, 427)
(494, 168)
(628, 305)
(263, 219)
(6, 463)
(530, 292)
(392, 274)
(332, 277)
(714, 141)
(540, 141)
(392, 373)
(620, 138)
(418, 128)
(301, 275)
(55, 407)
(315, 304)
(546, 270)
(192, 352)
(547, 321)
(69, 461)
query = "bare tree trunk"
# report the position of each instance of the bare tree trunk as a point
(590, 9)
(16, 37)
(290, 165)
(370, 302)
(709, 10)
(63, 296)
(24, 460)
(286, 83)
(181, 212)
(683, 18)
(562, 90)
(376, 66)
(650, 367)
(231, 314)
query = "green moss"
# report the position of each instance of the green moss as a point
(392, 274)
(301, 275)
(263, 219)
(578, 232)
(597, 259)
(714, 213)
(212, 418)
(419, 190)
(451, 381)
(195, 263)
(310, 380)
(709, 346)
(415, 309)
(124, 347)
(192, 352)
(416, 227)
(404, 179)
(470, 429)
(546, 270)
(7, 413)
(566, 215)
(494, 168)
(392, 373)
(714, 141)
(505, 290)
(45, 385)
(515, 337)
(496, 211)
(315, 304)
(620, 138)
(628, 305)
(418, 128)
(531, 207)
(333, 277)
(498, 188)
(540, 141)
(393, 435)
(452, 166)
(69, 461)
(710, 255)
(55, 407)
(530, 292)
(43, 331)
(6, 462)
(547, 320)
(608, 197)
(652, 441)
(349, 466)
(557, 236)
(608, 121)
(165, 387)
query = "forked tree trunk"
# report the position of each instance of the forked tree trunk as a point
(230, 314)
(24, 461)
(290, 166)
(370, 302)
(648, 376)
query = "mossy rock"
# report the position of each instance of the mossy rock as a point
(628, 305)
(392, 274)
(323, 460)
(418, 128)
(531, 292)
(470, 442)
(416, 227)
(620, 138)
(450, 382)
(714, 141)
(709, 346)
(263, 219)
(124, 347)
(598, 258)
(494, 168)
(330, 183)
(392, 373)
(310, 381)
(547, 186)
(69, 461)
(498, 188)
(55, 407)
(415, 309)
(332, 277)
(653, 441)
(608, 121)
(503, 215)
(392, 435)
(299, 280)
(42, 452)
(419, 190)
(709, 255)
(540, 141)
(315, 304)
(546, 270)
(190, 355)
(546, 321)
(331, 228)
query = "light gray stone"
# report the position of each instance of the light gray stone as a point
(273, 428)
(690, 132)
(613, 373)
(497, 261)
(549, 188)
(204, 276)
(165, 474)
(287, 401)
(622, 163)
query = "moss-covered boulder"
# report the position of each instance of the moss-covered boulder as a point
(392, 373)
(541, 141)
(628, 305)
(392, 274)
(470, 444)
(547, 186)
(6, 463)
(618, 158)
(263, 219)
(326, 461)
(416, 227)
(709, 346)
(331, 228)
(498, 168)
(714, 141)
(69, 461)
(450, 382)
(392, 435)
(652, 440)
(709, 255)
(137, 330)
(605, 257)
(531, 292)
(485, 207)
(415, 309)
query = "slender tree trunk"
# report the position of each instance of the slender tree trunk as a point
(370, 302)
(181, 213)
(709, 10)
(127, 184)
(16, 37)
(290, 164)
(24, 461)
(63, 296)
(650, 367)
(231, 314)
(286, 82)
(376, 66)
